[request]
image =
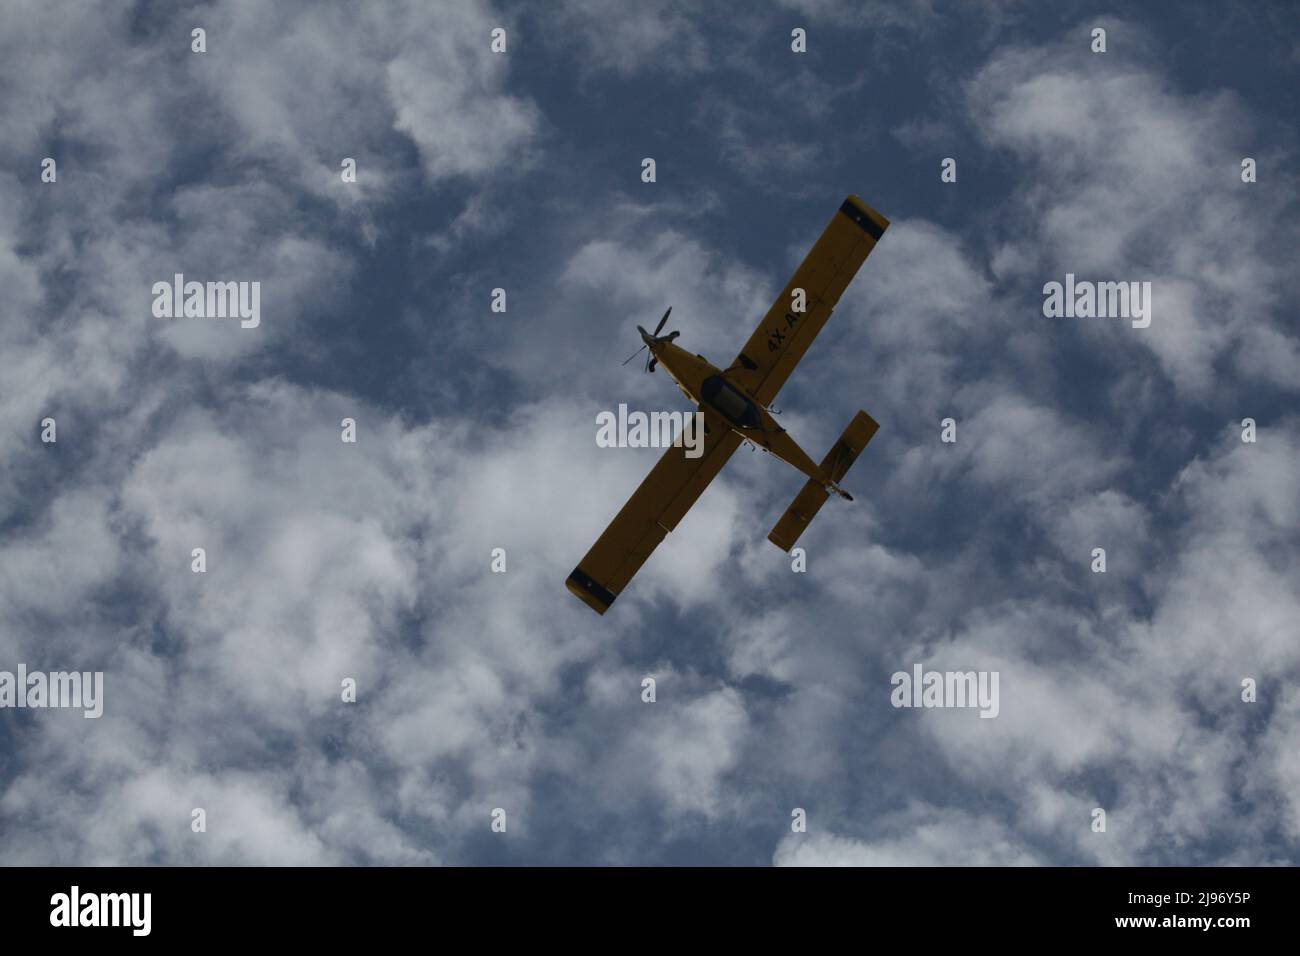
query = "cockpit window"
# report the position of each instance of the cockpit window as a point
(733, 405)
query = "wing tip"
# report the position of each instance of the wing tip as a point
(592, 593)
(866, 218)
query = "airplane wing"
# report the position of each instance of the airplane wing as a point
(784, 335)
(654, 509)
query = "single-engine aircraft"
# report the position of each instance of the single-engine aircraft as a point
(736, 405)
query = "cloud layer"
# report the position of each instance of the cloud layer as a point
(371, 561)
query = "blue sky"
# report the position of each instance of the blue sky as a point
(476, 430)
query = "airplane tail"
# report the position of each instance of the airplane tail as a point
(814, 493)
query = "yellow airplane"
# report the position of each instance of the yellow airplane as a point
(735, 402)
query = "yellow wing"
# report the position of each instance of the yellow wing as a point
(654, 509)
(784, 335)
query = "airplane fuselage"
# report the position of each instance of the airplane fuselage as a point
(715, 392)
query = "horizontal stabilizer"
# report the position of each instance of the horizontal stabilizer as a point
(813, 494)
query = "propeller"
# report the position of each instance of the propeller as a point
(652, 360)
(662, 322)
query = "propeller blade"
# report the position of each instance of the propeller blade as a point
(660, 326)
(650, 365)
(635, 354)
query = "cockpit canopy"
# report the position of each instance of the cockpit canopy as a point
(730, 403)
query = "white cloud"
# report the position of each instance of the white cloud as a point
(1134, 181)
(919, 836)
